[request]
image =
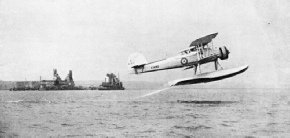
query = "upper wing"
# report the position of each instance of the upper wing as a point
(203, 40)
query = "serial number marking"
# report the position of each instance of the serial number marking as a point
(155, 67)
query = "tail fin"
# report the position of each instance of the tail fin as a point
(134, 61)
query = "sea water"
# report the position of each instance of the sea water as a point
(174, 112)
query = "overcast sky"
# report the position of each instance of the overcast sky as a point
(92, 38)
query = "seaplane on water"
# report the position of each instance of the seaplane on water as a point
(200, 51)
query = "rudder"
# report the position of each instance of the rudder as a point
(135, 60)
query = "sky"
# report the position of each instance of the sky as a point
(93, 38)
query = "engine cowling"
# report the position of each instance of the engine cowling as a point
(224, 53)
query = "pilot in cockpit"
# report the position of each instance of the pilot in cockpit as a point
(192, 49)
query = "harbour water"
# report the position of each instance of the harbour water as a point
(175, 112)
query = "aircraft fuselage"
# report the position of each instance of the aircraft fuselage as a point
(187, 58)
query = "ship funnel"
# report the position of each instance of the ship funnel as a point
(54, 72)
(70, 75)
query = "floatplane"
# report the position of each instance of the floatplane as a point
(200, 51)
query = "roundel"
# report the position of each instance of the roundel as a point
(184, 61)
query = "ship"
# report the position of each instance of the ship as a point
(44, 85)
(113, 83)
(58, 84)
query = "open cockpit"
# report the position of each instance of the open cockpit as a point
(188, 51)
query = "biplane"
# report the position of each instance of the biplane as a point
(200, 51)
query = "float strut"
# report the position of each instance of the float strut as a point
(199, 68)
(216, 64)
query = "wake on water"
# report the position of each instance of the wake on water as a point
(154, 92)
(28, 101)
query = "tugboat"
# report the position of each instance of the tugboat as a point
(113, 84)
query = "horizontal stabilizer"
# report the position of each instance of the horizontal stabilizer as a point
(136, 60)
(209, 76)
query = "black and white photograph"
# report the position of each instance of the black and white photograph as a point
(144, 68)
